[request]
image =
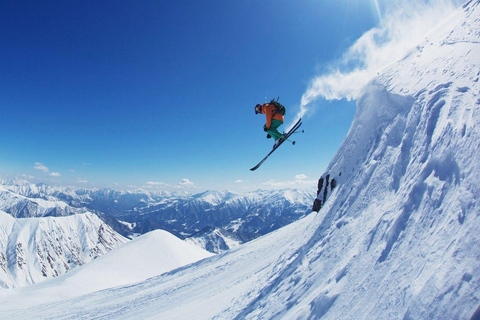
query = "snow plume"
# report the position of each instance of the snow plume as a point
(404, 25)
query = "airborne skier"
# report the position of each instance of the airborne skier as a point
(274, 117)
(274, 112)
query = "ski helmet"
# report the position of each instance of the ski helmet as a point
(258, 109)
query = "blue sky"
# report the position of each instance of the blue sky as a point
(160, 94)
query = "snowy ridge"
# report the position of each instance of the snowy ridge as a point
(149, 255)
(396, 239)
(35, 249)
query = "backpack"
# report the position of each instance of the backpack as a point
(279, 108)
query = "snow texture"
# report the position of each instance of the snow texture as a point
(35, 249)
(396, 239)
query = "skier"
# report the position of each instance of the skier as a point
(275, 112)
(274, 120)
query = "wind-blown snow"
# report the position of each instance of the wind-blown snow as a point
(397, 238)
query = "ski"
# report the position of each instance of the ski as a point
(281, 141)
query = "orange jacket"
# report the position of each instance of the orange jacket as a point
(269, 110)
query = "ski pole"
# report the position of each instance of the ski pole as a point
(303, 131)
(282, 137)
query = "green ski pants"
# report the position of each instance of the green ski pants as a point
(273, 129)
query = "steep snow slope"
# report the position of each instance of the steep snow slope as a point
(397, 238)
(35, 249)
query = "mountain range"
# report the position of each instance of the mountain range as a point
(219, 218)
(70, 227)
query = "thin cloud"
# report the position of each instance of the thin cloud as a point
(41, 167)
(185, 184)
(24, 176)
(404, 25)
(157, 185)
(300, 180)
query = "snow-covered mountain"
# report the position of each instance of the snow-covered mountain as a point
(35, 249)
(396, 239)
(30, 205)
(107, 201)
(133, 262)
(214, 240)
(236, 217)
